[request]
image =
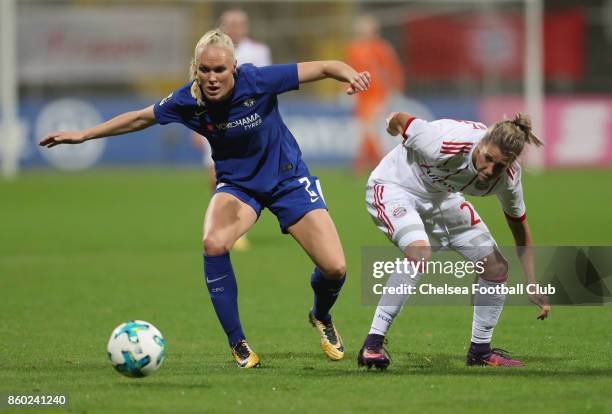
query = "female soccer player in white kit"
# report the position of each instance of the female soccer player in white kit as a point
(415, 196)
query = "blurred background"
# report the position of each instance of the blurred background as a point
(72, 63)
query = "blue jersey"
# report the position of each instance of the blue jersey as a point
(251, 145)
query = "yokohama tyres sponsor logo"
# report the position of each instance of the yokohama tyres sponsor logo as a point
(247, 122)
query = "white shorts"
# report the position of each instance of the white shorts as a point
(207, 160)
(203, 145)
(447, 222)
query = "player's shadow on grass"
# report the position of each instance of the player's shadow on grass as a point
(164, 385)
(451, 364)
(287, 356)
(276, 360)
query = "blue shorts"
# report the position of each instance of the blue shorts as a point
(289, 201)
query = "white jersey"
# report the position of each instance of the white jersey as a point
(249, 51)
(435, 160)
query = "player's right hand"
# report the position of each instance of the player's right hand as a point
(543, 303)
(64, 137)
(390, 117)
(390, 130)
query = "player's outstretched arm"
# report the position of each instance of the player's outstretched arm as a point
(121, 124)
(522, 238)
(334, 69)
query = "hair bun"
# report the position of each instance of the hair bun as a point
(523, 121)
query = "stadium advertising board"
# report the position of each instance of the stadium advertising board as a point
(326, 132)
(100, 45)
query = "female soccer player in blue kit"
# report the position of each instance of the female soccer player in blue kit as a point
(258, 165)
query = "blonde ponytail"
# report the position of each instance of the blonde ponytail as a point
(511, 135)
(196, 91)
(523, 122)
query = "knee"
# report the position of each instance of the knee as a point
(496, 269)
(214, 246)
(418, 252)
(335, 270)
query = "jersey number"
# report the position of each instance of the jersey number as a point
(313, 195)
(473, 220)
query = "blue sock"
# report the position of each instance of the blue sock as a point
(325, 294)
(223, 290)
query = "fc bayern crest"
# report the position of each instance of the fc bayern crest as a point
(399, 211)
(249, 102)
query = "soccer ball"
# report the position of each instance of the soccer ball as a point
(136, 348)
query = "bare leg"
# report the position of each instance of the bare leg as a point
(317, 235)
(227, 218)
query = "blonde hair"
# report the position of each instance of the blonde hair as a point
(511, 135)
(213, 37)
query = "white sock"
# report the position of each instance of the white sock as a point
(389, 306)
(487, 308)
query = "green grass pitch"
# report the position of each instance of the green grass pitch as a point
(80, 253)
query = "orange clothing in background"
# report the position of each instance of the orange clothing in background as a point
(377, 57)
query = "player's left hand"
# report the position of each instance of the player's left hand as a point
(359, 83)
(543, 303)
